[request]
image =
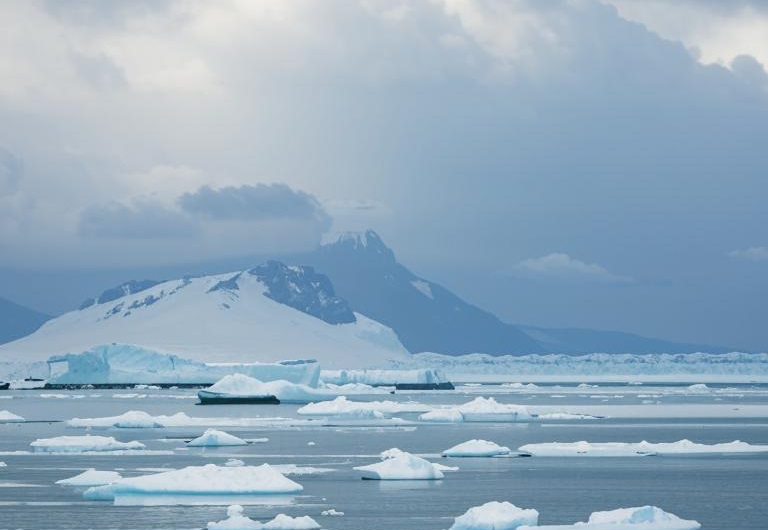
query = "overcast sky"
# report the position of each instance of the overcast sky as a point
(562, 163)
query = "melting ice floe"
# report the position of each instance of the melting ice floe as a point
(91, 477)
(476, 448)
(215, 438)
(495, 516)
(208, 480)
(82, 444)
(237, 521)
(10, 417)
(140, 419)
(399, 465)
(480, 409)
(643, 448)
(639, 518)
(341, 407)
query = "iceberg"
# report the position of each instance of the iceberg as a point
(476, 448)
(10, 417)
(643, 448)
(399, 465)
(342, 407)
(91, 477)
(242, 388)
(332, 513)
(237, 521)
(214, 438)
(82, 444)
(423, 376)
(496, 516)
(641, 518)
(207, 480)
(480, 409)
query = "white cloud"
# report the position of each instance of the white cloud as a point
(751, 254)
(559, 266)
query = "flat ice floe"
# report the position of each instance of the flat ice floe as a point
(643, 448)
(215, 438)
(91, 477)
(476, 448)
(242, 386)
(237, 521)
(207, 480)
(140, 419)
(10, 417)
(82, 444)
(341, 407)
(399, 465)
(480, 409)
(496, 516)
(640, 518)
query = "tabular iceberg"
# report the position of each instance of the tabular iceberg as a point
(82, 444)
(476, 448)
(495, 516)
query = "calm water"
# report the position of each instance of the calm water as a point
(722, 492)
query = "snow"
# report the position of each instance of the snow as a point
(91, 477)
(643, 448)
(382, 377)
(190, 319)
(477, 448)
(209, 479)
(495, 516)
(399, 465)
(424, 288)
(10, 417)
(80, 444)
(214, 438)
(237, 521)
(479, 409)
(342, 407)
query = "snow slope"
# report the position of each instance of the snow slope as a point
(235, 317)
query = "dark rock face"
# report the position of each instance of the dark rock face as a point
(124, 289)
(302, 288)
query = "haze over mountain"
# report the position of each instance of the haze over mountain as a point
(16, 321)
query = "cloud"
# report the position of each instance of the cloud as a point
(559, 266)
(140, 220)
(751, 254)
(11, 170)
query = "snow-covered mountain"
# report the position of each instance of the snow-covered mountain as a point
(268, 313)
(17, 321)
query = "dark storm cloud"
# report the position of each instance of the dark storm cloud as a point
(142, 220)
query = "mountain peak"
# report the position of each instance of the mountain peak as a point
(367, 241)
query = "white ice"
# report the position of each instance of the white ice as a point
(640, 518)
(215, 438)
(480, 409)
(584, 448)
(239, 385)
(80, 444)
(399, 465)
(495, 516)
(91, 477)
(342, 407)
(332, 513)
(478, 448)
(237, 521)
(10, 417)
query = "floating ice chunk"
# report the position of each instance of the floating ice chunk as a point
(237, 521)
(80, 444)
(643, 448)
(480, 409)
(568, 416)
(3, 464)
(442, 416)
(293, 469)
(10, 417)
(383, 377)
(642, 518)
(310, 443)
(234, 462)
(242, 386)
(342, 407)
(443, 467)
(399, 465)
(495, 516)
(520, 386)
(476, 448)
(332, 513)
(91, 477)
(133, 419)
(698, 387)
(215, 438)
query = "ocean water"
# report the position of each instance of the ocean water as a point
(721, 492)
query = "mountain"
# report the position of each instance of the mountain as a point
(17, 321)
(269, 313)
(429, 318)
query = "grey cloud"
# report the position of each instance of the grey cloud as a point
(11, 170)
(99, 71)
(562, 267)
(141, 220)
(750, 70)
(253, 203)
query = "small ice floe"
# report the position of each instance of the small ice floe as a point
(399, 465)
(10, 417)
(3, 464)
(640, 518)
(83, 444)
(332, 513)
(293, 469)
(643, 448)
(207, 480)
(698, 387)
(476, 448)
(496, 516)
(237, 521)
(568, 416)
(310, 443)
(341, 407)
(138, 419)
(91, 477)
(234, 462)
(215, 438)
(480, 409)
(238, 388)
(133, 419)
(146, 387)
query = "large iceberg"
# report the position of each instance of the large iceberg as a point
(480, 409)
(207, 480)
(10, 417)
(640, 518)
(423, 376)
(495, 516)
(82, 444)
(237, 521)
(584, 448)
(239, 386)
(343, 407)
(130, 364)
(91, 477)
(215, 438)
(476, 448)
(399, 465)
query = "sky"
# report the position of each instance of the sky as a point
(569, 163)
